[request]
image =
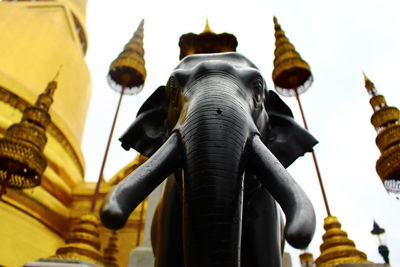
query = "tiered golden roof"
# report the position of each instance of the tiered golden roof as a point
(83, 242)
(307, 259)
(22, 162)
(386, 121)
(128, 69)
(206, 42)
(110, 251)
(290, 72)
(337, 248)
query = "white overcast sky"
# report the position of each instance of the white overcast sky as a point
(339, 39)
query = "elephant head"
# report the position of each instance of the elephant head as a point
(216, 121)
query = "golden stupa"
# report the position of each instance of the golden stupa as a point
(337, 248)
(83, 242)
(41, 221)
(386, 120)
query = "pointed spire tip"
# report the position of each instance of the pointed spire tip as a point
(58, 73)
(207, 28)
(365, 76)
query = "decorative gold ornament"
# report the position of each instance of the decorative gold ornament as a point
(388, 164)
(128, 70)
(384, 116)
(291, 73)
(306, 260)
(206, 42)
(387, 137)
(22, 162)
(337, 248)
(83, 242)
(386, 121)
(110, 251)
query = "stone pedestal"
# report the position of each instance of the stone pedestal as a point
(142, 256)
(59, 263)
(286, 260)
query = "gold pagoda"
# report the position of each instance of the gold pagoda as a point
(337, 248)
(44, 221)
(386, 120)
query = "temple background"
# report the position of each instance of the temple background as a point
(38, 39)
(338, 39)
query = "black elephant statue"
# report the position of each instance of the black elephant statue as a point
(224, 141)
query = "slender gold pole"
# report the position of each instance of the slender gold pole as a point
(140, 224)
(314, 157)
(96, 191)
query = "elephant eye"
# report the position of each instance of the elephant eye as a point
(258, 90)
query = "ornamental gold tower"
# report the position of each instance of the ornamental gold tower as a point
(386, 120)
(37, 37)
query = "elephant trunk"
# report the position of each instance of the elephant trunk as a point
(300, 215)
(214, 136)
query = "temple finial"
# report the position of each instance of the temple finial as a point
(369, 85)
(207, 28)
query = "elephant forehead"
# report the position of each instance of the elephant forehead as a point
(220, 59)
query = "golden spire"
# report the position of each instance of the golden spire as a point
(22, 162)
(110, 251)
(369, 85)
(386, 121)
(207, 28)
(83, 242)
(128, 69)
(290, 72)
(337, 248)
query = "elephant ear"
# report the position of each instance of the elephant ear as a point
(286, 139)
(149, 130)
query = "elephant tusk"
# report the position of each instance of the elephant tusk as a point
(129, 193)
(300, 215)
